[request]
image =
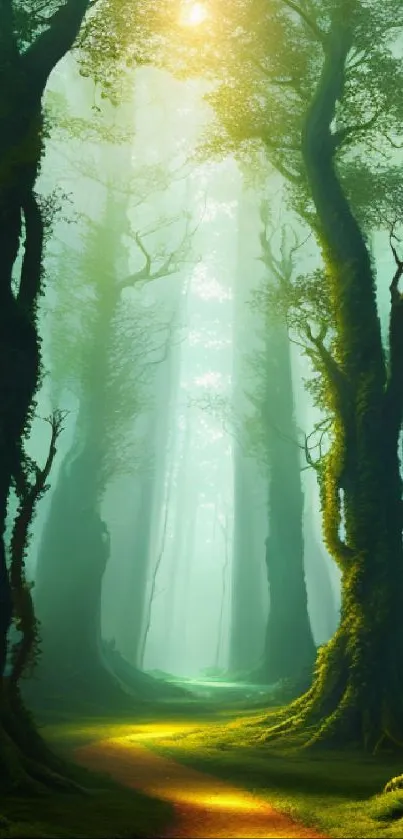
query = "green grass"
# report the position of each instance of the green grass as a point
(112, 813)
(339, 793)
(108, 811)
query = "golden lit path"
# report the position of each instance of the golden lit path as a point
(204, 806)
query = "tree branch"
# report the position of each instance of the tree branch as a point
(344, 134)
(51, 45)
(8, 42)
(171, 264)
(309, 21)
(394, 388)
(23, 604)
(334, 373)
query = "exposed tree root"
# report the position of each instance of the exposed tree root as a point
(12, 770)
(27, 765)
(50, 779)
(340, 709)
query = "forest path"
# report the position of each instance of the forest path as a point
(204, 806)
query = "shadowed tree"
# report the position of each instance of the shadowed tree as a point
(248, 598)
(273, 440)
(32, 42)
(115, 343)
(31, 45)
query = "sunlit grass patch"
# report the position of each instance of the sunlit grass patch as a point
(241, 731)
(76, 733)
(335, 792)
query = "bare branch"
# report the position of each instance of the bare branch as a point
(309, 21)
(394, 389)
(394, 286)
(24, 650)
(350, 132)
(172, 263)
(335, 374)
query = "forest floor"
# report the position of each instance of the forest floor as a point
(106, 810)
(189, 771)
(204, 806)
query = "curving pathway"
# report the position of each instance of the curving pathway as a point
(205, 807)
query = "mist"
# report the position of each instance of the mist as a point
(169, 585)
(201, 412)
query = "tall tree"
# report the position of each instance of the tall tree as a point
(271, 439)
(248, 612)
(159, 419)
(309, 83)
(249, 599)
(274, 439)
(118, 343)
(285, 548)
(31, 44)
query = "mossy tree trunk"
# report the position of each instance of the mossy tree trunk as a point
(356, 695)
(23, 77)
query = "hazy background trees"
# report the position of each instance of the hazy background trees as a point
(185, 338)
(186, 490)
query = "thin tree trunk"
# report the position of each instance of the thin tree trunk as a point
(180, 559)
(158, 561)
(225, 567)
(247, 624)
(289, 642)
(136, 594)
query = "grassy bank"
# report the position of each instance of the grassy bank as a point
(114, 812)
(337, 792)
(106, 811)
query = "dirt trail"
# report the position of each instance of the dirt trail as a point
(204, 806)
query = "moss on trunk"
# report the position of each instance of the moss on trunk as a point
(23, 77)
(357, 690)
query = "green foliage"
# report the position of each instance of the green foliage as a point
(263, 60)
(31, 19)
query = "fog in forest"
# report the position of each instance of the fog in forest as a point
(201, 414)
(184, 407)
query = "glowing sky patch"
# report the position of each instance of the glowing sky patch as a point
(193, 14)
